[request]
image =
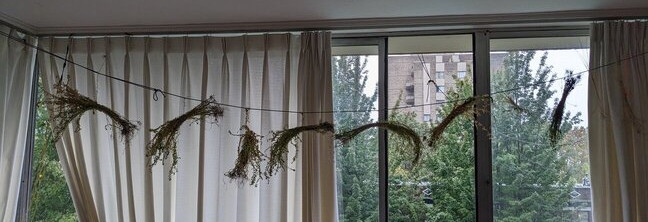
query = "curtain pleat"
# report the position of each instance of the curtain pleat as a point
(618, 116)
(201, 146)
(111, 181)
(318, 169)
(16, 78)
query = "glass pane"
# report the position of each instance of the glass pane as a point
(50, 196)
(355, 81)
(425, 74)
(535, 180)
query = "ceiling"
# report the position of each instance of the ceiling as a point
(44, 15)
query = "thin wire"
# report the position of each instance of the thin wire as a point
(422, 61)
(301, 112)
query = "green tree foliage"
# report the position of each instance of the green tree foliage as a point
(446, 172)
(50, 197)
(532, 178)
(357, 161)
(576, 152)
(531, 182)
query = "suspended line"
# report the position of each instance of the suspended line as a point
(165, 93)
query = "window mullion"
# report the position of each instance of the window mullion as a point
(382, 134)
(482, 129)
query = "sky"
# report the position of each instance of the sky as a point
(575, 60)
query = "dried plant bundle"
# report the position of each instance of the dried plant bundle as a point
(164, 143)
(67, 105)
(281, 139)
(557, 117)
(468, 106)
(515, 105)
(401, 130)
(249, 157)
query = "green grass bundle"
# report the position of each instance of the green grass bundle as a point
(249, 157)
(403, 131)
(164, 143)
(280, 141)
(67, 105)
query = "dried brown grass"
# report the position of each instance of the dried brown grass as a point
(401, 130)
(280, 141)
(164, 143)
(67, 105)
(557, 117)
(249, 157)
(466, 107)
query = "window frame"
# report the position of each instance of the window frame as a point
(381, 43)
(481, 83)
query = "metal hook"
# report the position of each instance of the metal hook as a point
(155, 94)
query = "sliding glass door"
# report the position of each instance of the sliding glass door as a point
(428, 76)
(356, 72)
(540, 174)
(507, 159)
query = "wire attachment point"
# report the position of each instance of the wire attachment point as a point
(155, 94)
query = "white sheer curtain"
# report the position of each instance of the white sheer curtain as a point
(618, 120)
(16, 77)
(318, 170)
(109, 181)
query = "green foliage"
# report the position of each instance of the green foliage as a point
(532, 177)
(356, 161)
(531, 182)
(447, 171)
(50, 196)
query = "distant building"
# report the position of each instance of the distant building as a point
(581, 202)
(418, 79)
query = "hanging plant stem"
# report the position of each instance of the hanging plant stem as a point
(515, 105)
(249, 157)
(559, 111)
(465, 107)
(281, 139)
(164, 143)
(67, 105)
(403, 131)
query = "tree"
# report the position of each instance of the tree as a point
(446, 172)
(357, 161)
(530, 180)
(50, 196)
(406, 182)
(452, 165)
(576, 153)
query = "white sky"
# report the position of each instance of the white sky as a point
(570, 59)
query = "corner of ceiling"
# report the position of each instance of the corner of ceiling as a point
(17, 24)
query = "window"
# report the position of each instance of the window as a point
(461, 74)
(528, 179)
(439, 75)
(355, 78)
(532, 179)
(426, 117)
(50, 196)
(441, 187)
(455, 58)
